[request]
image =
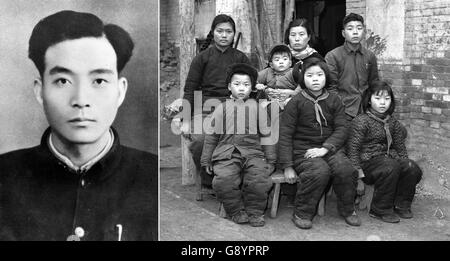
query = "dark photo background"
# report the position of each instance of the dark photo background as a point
(22, 120)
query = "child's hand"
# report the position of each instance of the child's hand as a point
(270, 91)
(209, 169)
(290, 175)
(260, 86)
(360, 188)
(316, 153)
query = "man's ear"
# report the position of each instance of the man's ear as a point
(123, 86)
(343, 33)
(38, 90)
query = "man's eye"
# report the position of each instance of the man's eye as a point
(61, 82)
(100, 81)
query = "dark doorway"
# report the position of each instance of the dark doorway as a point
(326, 19)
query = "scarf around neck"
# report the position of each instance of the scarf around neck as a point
(380, 117)
(317, 108)
(300, 55)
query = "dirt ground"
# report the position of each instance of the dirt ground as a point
(185, 219)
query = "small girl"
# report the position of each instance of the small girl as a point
(312, 132)
(376, 147)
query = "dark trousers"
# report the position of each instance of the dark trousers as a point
(315, 175)
(242, 184)
(196, 148)
(394, 182)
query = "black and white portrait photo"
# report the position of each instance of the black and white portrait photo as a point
(79, 111)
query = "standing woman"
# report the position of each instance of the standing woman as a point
(297, 37)
(207, 74)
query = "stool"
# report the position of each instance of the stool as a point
(366, 199)
(274, 197)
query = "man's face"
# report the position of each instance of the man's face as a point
(80, 90)
(353, 32)
(280, 62)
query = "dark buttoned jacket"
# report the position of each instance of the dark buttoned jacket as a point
(42, 199)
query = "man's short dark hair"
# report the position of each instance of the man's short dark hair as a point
(71, 25)
(352, 17)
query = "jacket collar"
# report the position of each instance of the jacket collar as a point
(102, 169)
(348, 49)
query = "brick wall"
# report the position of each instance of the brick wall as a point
(427, 69)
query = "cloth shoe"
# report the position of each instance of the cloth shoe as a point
(302, 223)
(403, 212)
(240, 218)
(389, 218)
(353, 220)
(257, 221)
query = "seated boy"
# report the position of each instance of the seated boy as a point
(241, 164)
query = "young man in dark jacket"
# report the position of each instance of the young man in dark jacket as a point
(352, 66)
(79, 183)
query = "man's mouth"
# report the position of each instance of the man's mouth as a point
(81, 120)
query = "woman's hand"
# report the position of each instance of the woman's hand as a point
(176, 104)
(290, 175)
(316, 153)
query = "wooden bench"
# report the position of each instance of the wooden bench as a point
(274, 197)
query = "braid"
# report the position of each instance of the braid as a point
(209, 39)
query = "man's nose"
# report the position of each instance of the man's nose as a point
(81, 96)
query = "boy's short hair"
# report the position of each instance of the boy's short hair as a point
(374, 88)
(352, 17)
(71, 25)
(242, 68)
(300, 68)
(280, 49)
